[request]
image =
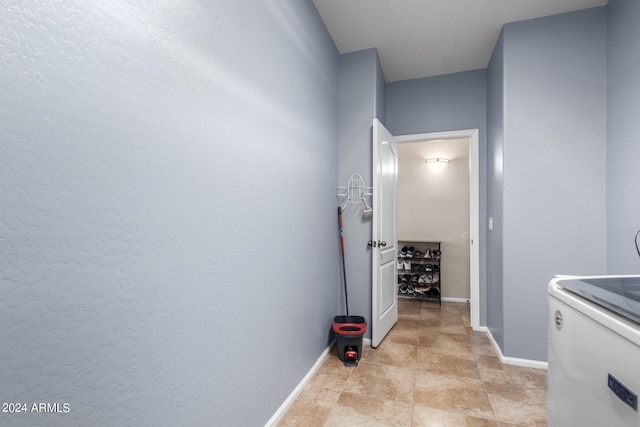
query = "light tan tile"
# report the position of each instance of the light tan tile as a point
(311, 407)
(444, 342)
(463, 307)
(410, 315)
(479, 337)
(426, 352)
(443, 327)
(407, 323)
(454, 394)
(438, 315)
(404, 332)
(453, 364)
(466, 318)
(354, 410)
(445, 308)
(483, 350)
(392, 382)
(490, 362)
(409, 309)
(492, 370)
(424, 416)
(431, 358)
(517, 405)
(532, 378)
(332, 374)
(406, 305)
(409, 303)
(391, 353)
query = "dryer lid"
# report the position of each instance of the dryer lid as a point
(619, 294)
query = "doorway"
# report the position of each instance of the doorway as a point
(472, 238)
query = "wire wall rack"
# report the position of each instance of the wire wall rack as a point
(355, 193)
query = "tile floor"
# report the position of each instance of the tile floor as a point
(431, 370)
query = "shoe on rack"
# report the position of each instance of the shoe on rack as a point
(417, 254)
(407, 265)
(403, 251)
(403, 289)
(427, 254)
(422, 278)
(400, 264)
(411, 289)
(410, 251)
(423, 289)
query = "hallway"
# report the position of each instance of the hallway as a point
(431, 370)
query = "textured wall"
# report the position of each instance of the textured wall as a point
(167, 186)
(361, 99)
(554, 168)
(495, 188)
(623, 149)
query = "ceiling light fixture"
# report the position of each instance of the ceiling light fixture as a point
(437, 163)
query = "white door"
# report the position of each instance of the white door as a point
(383, 243)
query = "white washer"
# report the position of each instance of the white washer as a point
(594, 351)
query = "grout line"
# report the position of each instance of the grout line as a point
(415, 371)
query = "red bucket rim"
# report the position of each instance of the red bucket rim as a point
(349, 328)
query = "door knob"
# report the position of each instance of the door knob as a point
(382, 243)
(372, 243)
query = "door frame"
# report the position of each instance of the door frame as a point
(474, 208)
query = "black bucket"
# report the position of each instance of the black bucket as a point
(349, 331)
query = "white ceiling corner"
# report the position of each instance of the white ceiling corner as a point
(423, 38)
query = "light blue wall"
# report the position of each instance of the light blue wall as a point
(495, 181)
(623, 128)
(361, 100)
(380, 93)
(440, 103)
(554, 148)
(168, 230)
(443, 103)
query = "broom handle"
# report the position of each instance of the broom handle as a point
(344, 268)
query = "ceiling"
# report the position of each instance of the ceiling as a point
(422, 38)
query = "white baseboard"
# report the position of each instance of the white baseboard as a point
(296, 391)
(527, 363)
(450, 299)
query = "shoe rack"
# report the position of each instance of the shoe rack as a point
(419, 272)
